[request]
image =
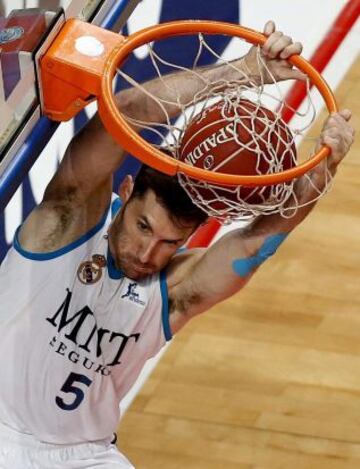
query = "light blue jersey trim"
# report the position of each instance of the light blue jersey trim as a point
(165, 306)
(45, 256)
(243, 267)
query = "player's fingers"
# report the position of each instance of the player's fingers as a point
(339, 138)
(292, 49)
(334, 145)
(349, 134)
(269, 28)
(332, 132)
(346, 114)
(272, 39)
(334, 120)
(279, 46)
(337, 128)
(332, 142)
(286, 72)
(339, 121)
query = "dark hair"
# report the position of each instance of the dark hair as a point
(169, 194)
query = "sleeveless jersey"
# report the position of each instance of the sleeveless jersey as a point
(75, 334)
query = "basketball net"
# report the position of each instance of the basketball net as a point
(167, 135)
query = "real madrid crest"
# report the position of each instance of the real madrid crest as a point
(89, 272)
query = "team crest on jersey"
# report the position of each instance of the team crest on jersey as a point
(132, 295)
(90, 272)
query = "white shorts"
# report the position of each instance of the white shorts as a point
(22, 451)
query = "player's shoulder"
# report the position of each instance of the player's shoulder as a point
(182, 264)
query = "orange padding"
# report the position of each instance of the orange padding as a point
(69, 78)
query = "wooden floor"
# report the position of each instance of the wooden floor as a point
(270, 378)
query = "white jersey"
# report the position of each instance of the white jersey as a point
(75, 334)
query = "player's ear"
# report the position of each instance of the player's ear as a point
(126, 187)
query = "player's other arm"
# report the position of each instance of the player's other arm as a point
(178, 90)
(222, 270)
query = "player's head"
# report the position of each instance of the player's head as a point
(170, 195)
(157, 217)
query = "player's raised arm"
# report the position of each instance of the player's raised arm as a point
(227, 266)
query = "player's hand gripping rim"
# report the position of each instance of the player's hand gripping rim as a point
(275, 52)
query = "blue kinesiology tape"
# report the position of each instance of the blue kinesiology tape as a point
(243, 267)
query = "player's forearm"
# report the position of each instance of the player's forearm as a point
(176, 91)
(242, 251)
(230, 263)
(262, 238)
(235, 258)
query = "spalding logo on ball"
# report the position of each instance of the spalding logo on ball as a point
(237, 137)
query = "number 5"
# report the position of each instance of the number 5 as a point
(69, 388)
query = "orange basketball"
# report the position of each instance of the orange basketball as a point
(241, 138)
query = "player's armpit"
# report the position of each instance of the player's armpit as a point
(58, 221)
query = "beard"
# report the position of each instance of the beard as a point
(133, 268)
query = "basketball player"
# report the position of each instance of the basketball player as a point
(94, 285)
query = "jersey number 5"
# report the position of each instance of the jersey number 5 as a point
(69, 387)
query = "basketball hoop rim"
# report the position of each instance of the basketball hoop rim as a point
(129, 139)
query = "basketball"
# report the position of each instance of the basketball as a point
(240, 138)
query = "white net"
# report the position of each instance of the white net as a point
(226, 120)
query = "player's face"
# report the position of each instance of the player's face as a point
(143, 238)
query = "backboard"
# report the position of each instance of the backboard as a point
(24, 35)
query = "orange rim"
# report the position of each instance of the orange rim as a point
(121, 131)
